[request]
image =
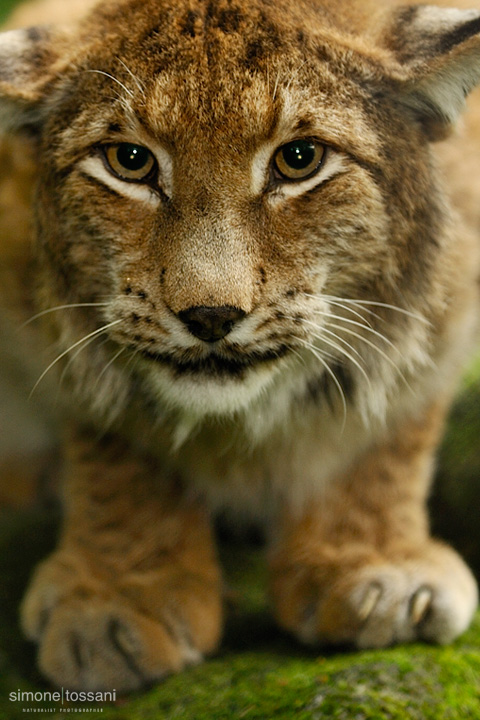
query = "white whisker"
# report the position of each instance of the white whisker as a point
(60, 307)
(77, 352)
(297, 354)
(368, 327)
(320, 336)
(342, 350)
(366, 304)
(317, 353)
(110, 362)
(134, 78)
(293, 75)
(102, 72)
(134, 355)
(99, 331)
(331, 356)
(374, 303)
(339, 304)
(275, 87)
(377, 349)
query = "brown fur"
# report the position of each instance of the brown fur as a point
(354, 293)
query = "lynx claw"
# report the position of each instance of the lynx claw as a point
(370, 601)
(420, 604)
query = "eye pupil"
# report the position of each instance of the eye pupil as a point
(132, 157)
(130, 162)
(299, 159)
(299, 155)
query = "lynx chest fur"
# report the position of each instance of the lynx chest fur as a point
(227, 224)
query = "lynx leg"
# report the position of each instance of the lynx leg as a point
(132, 592)
(359, 567)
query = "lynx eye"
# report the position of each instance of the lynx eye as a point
(133, 163)
(299, 159)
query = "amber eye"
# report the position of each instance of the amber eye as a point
(133, 163)
(299, 159)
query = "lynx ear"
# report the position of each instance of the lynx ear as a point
(439, 49)
(29, 60)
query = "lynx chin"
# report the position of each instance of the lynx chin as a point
(240, 240)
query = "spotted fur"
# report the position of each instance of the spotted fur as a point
(220, 337)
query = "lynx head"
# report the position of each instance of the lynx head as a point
(238, 196)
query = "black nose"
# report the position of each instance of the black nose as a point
(211, 323)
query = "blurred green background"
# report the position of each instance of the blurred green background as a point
(6, 6)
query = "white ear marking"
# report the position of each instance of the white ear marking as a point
(437, 20)
(439, 48)
(28, 60)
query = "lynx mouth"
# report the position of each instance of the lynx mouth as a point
(214, 365)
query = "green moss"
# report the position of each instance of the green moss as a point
(417, 682)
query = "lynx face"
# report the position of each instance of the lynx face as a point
(228, 188)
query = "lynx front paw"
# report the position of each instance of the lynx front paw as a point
(123, 634)
(430, 596)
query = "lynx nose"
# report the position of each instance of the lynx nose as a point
(211, 323)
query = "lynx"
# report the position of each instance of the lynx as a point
(241, 241)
